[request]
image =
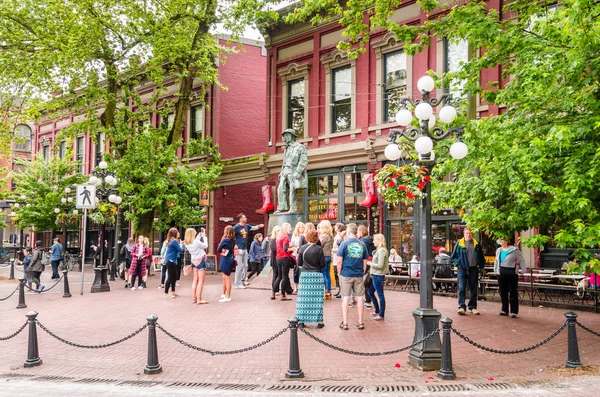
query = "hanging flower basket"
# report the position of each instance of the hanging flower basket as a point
(406, 182)
(104, 213)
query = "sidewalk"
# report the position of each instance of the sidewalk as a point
(252, 317)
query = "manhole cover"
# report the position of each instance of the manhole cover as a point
(342, 389)
(438, 388)
(289, 388)
(233, 386)
(396, 388)
(191, 384)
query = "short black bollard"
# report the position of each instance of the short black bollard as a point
(33, 356)
(21, 304)
(446, 372)
(152, 365)
(11, 276)
(66, 290)
(573, 353)
(294, 370)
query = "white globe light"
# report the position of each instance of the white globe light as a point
(108, 179)
(423, 144)
(423, 111)
(112, 198)
(447, 114)
(57, 210)
(29, 205)
(70, 199)
(431, 123)
(392, 152)
(113, 181)
(13, 214)
(93, 180)
(63, 200)
(119, 199)
(102, 165)
(67, 190)
(426, 83)
(459, 150)
(404, 117)
(75, 212)
(23, 197)
(17, 205)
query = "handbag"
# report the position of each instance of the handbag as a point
(187, 269)
(368, 280)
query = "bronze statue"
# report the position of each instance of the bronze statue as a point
(293, 173)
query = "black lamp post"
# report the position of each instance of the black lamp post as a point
(104, 180)
(426, 355)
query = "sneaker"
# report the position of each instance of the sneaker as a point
(177, 284)
(374, 314)
(133, 288)
(127, 285)
(474, 311)
(141, 287)
(351, 304)
(320, 325)
(223, 300)
(160, 286)
(41, 288)
(246, 282)
(240, 287)
(461, 311)
(503, 314)
(513, 315)
(378, 318)
(368, 305)
(222, 296)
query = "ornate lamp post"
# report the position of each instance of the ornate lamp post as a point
(426, 355)
(105, 182)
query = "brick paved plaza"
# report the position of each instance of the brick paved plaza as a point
(252, 317)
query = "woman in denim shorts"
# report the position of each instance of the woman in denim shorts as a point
(196, 245)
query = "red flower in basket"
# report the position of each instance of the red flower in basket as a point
(421, 185)
(402, 187)
(397, 183)
(410, 195)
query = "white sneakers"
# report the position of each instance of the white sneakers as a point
(240, 287)
(223, 300)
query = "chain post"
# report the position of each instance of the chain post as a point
(446, 372)
(66, 289)
(294, 370)
(573, 352)
(33, 356)
(152, 365)
(12, 271)
(21, 304)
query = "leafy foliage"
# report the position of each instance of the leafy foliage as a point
(40, 187)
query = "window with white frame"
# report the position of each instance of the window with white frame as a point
(341, 99)
(394, 83)
(295, 109)
(22, 138)
(456, 53)
(46, 152)
(197, 122)
(62, 149)
(80, 153)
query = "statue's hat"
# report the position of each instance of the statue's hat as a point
(290, 131)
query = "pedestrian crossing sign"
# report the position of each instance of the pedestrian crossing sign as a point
(86, 196)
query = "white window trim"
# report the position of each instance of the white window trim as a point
(189, 121)
(333, 60)
(293, 72)
(440, 62)
(82, 164)
(387, 45)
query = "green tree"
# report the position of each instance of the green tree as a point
(537, 163)
(96, 52)
(40, 186)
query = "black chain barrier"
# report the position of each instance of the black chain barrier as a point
(587, 329)
(45, 289)
(17, 332)
(11, 294)
(329, 345)
(525, 349)
(223, 352)
(52, 334)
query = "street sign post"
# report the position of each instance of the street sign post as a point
(86, 196)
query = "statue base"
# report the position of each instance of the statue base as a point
(278, 219)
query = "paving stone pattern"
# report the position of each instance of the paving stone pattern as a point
(252, 317)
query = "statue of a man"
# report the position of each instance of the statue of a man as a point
(293, 172)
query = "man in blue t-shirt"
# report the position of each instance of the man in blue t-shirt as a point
(241, 234)
(56, 256)
(351, 264)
